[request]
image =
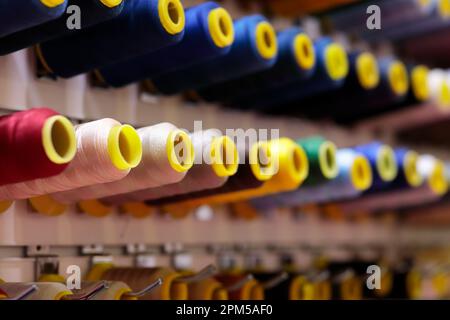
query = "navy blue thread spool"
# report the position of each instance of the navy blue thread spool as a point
(332, 68)
(143, 26)
(16, 15)
(254, 49)
(382, 161)
(296, 60)
(209, 33)
(408, 175)
(92, 12)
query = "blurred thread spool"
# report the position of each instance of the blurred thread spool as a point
(167, 154)
(296, 60)
(252, 172)
(141, 27)
(93, 12)
(331, 70)
(254, 49)
(45, 290)
(35, 143)
(355, 176)
(382, 161)
(18, 15)
(139, 278)
(102, 156)
(207, 289)
(295, 287)
(408, 175)
(250, 290)
(288, 168)
(439, 86)
(209, 33)
(216, 159)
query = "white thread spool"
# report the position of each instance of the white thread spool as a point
(106, 151)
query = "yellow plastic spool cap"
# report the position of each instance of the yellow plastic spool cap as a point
(52, 3)
(444, 8)
(305, 54)
(5, 205)
(412, 176)
(124, 147)
(361, 173)
(111, 3)
(386, 165)
(221, 27)
(398, 78)
(137, 209)
(327, 160)
(440, 284)
(51, 278)
(301, 289)
(336, 61)
(224, 156)
(444, 94)
(260, 159)
(94, 208)
(180, 151)
(266, 40)
(48, 206)
(174, 290)
(58, 139)
(367, 70)
(437, 180)
(419, 83)
(171, 15)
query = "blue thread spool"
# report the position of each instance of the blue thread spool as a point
(408, 175)
(143, 26)
(92, 12)
(332, 68)
(382, 161)
(209, 33)
(296, 60)
(16, 15)
(254, 49)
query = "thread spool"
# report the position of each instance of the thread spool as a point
(382, 161)
(167, 154)
(250, 290)
(355, 177)
(330, 73)
(138, 278)
(18, 15)
(408, 175)
(439, 88)
(39, 135)
(141, 27)
(350, 288)
(296, 60)
(93, 12)
(254, 49)
(207, 289)
(216, 159)
(209, 33)
(106, 151)
(295, 287)
(45, 290)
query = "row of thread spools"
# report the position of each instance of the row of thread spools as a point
(324, 280)
(101, 164)
(243, 63)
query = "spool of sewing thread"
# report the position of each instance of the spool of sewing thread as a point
(254, 49)
(296, 60)
(382, 161)
(288, 168)
(331, 70)
(355, 176)
(347, 287)
(439, 87)
(35, 143)
(45, 290)
(207, 289)
(18, 15)
(106, 151)
(142, 26)
(93, 12)
(295, 287)
(250, 290)
(139, 278)
(408, 175)
(167, 154)
(251, 174)
(209, 33)
(216, 159)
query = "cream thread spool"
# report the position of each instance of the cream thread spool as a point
(439, 87)
(167, 154)
(93, 163)
(216, 159)
(48, 291)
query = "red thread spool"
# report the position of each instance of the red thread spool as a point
(35, 143)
